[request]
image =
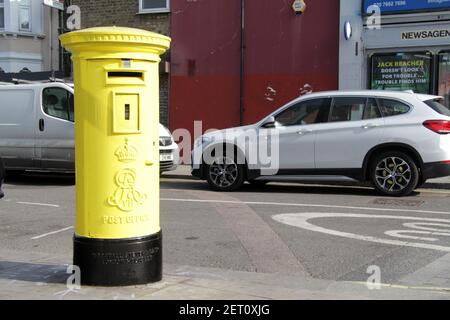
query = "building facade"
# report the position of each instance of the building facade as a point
(233, 62)
(396, 45)
(29, 32)
(151, 15)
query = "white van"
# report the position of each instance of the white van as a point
(37, 129)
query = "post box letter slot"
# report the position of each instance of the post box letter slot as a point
(127, 112)
(126, 74)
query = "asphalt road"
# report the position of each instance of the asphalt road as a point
(326, 232)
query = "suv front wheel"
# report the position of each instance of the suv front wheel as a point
(224, 174)
(394, 174)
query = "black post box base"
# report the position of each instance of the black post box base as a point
(122, 262)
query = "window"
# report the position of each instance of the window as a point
(354, 109)
(24, 15)
(306, 112)
(372, 111)
(437, 105)
(2, 14)
(401, 71)
(444, 77)
(151, 6)
(58, 103)
(391, 108)
(348, 109)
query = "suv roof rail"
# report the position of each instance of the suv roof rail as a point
(409, 91)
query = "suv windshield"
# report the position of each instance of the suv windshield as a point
(437, 106)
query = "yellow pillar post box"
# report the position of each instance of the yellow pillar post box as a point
(116, 73)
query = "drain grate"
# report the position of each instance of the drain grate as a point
(398, 202)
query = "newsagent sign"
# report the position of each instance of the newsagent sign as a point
(426, 34)
(405, 6)
(401, 71)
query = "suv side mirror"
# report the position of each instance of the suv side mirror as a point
(269, 123)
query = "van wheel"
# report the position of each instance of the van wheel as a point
(394, 174)
(224, 174)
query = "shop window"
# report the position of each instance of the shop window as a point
(24, 15)
(401, 71)
(154, 6)
(444, 77)
(2, 14)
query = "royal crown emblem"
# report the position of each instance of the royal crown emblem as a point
(126, 153)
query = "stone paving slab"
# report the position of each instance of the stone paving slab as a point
(435, 274)
(46, 281)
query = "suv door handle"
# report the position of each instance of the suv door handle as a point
(41, 125)
(304, 131)
(369, 126)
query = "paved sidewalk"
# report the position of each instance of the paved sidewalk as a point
(184, 172)
(44, 277)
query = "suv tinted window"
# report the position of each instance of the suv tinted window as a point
(391, 108)
(58, 103)
(348, 109)
(372, 111)
(306, 112)
(437, 106)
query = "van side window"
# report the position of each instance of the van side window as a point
(58, 103)
(391, 108)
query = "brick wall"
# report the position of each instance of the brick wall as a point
(124, 13)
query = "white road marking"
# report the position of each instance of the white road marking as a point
(300, 220)
(428, 226)
(421, 228)
(401, 234)
(306, 205)
(39, 204)
(51, 233)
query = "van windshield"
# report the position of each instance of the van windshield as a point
(436, 105)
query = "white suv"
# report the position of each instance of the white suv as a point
(396, 140)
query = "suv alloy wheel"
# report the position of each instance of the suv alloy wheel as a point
(224, 174)
(394, 174)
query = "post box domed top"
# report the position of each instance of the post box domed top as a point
(114, 39)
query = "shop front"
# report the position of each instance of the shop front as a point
(401, 45)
